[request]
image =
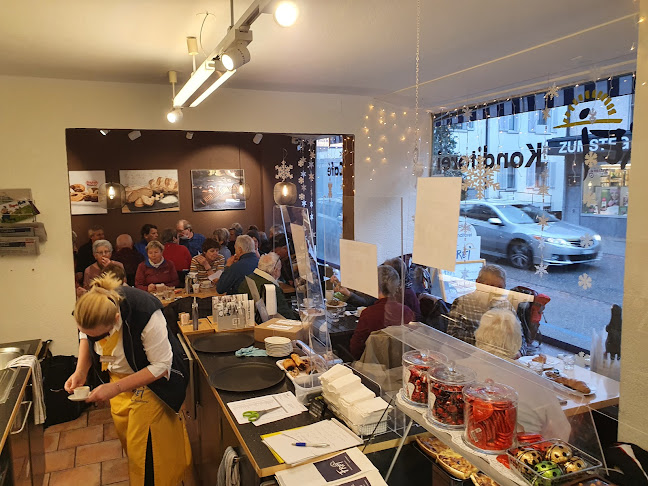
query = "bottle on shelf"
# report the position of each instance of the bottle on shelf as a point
(194, 314)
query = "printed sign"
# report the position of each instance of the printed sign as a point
(337, 467)
(84, 191)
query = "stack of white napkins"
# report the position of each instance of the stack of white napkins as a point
(367, 411)
(358, 395)
(338, 371)
(348, 467)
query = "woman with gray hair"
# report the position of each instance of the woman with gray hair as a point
(387, 311)
(155, 269)
(222, 235)
(102, 251)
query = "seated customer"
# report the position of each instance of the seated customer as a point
(102, 251)
(155, 269)
(149, 233)
(209, 262)
(254, 234)
(174, 252)
(85, 256)
(267, 272)
(467, 310)
(409, 296)
(284, 249)
(499, 333)
(385, 312)
(128, 256)
(235, 231)
(193, 241)
(239, 265)
(222, 236)
(356, 299)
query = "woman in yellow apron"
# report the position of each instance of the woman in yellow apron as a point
(124, 338)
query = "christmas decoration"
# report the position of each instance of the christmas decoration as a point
(467, 113)
(311, 177)
(480, 178)
(302, 196)
(541, 269)
(552, 92)
(301, 161)
(585, 281)
(592, 116)
(546, 113)
(284, 171)
(591, 159)
(543, 221)
(300, 180)
(587, 240)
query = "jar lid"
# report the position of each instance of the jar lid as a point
(452, 375)
(424, 358)
(491, 392)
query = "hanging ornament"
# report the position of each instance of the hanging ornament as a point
(417, 167)
(285, 193)
(241, 190)
(552, 92)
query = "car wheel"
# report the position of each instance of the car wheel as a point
(520, 254)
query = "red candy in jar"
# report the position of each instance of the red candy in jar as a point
(490, 416)
(445, 397)
(415, 380)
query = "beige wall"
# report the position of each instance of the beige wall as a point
(633, 419)
(37, 292)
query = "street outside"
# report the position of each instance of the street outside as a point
(573, 312)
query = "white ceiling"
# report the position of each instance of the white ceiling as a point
(339, 46)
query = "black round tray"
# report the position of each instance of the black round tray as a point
(246, 377)
(226, 342)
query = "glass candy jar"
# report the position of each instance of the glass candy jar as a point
(415, 381)
(490, 416)
(445, 397)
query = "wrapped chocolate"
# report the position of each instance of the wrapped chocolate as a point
(415, 380)
(445, 397)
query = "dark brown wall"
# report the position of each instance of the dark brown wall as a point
(87, 149)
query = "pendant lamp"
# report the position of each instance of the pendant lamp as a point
(285, 193)
(111, 195)
(241, 190)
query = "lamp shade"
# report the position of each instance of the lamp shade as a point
(285, 193)
(241, 191)
(111, 195)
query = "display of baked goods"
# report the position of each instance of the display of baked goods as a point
(541, 358)
(290, 366)
(79, 193)
(160, 189)
(432, 446)
(480, 479)
(302, 364)
(456, 465)
(574, 384)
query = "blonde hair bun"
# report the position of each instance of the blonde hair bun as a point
(100, 305)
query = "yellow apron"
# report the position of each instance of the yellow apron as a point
(138, 412)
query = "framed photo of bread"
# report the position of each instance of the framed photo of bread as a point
(84, 191)
(211, 190)
(150, 190)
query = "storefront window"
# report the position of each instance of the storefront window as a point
(328, 189)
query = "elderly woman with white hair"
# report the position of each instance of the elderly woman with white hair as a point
(268, 272)
(102, 251)
(387, 311)
(499, 333)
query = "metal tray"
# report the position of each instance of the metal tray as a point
(223, 342)
(246, 377)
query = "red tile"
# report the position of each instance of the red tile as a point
(115, 471)
(77, 423)
(51, 441)
(110, 432)
(101, 416)
(99, 452)
(89, 475)
(59, 460)
(77, 437)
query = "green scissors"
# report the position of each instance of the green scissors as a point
(253, 416)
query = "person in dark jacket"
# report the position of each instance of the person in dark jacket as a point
(85, 256)
(127, 256)
(242, 263)
(125, 340)
(155, 269)
(149, 233)
(387, 311)
(268, 272)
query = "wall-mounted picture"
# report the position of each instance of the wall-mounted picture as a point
(212, 189)
(150, 190)
(84, 191)
(16, 205)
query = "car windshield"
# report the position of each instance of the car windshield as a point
(515, 215)
(535, 213)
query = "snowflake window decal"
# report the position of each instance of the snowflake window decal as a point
(301, 162)
(284, 171)
(541, 269)
(300, 180)
(480, 177)
(546, 113)
(586, 240)
(585, 281)
(552, 92)
(302, 197)
(467, 112)
(543, 221)
(591, 159)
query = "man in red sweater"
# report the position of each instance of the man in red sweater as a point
(387, 311)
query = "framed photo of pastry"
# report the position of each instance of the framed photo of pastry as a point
(84, 191)
(150, 190)
(211, 190)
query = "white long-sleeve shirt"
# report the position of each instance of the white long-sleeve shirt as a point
(156, 346)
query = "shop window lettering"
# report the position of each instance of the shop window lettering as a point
(619, 151)
(334, 169)
(505, 160)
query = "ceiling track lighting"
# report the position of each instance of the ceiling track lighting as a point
(230, 54)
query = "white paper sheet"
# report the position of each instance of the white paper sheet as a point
(215, 276)
(359, 266)
(287, 401)
(301, 252)
(279, 327)
(271, 299)
(289, 322)
(436, 222)
(329, 432)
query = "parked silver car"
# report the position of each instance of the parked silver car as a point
(513, 232)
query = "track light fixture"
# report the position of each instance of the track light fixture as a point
(286, 13)
(175, 115)
(236, 56)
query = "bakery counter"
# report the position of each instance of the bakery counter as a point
(212, 427)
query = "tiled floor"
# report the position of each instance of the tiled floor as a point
(85, 451)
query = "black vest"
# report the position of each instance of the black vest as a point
(136, 309)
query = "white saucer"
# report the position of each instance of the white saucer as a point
(77, 399)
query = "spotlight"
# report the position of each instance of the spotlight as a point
(189, 135)
(135, 134)
(257, 138)
(235, 56)
(175, 115)
(286, 13)
(104, 132)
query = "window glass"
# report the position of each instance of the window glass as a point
(328, 190)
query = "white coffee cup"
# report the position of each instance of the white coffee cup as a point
(184, 318)
(81, 392)
(196, 288)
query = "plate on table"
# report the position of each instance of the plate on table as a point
(77, 399)
(246, 377)
(571, 391)
(226, 342)
(552, 361)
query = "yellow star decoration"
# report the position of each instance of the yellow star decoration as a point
(543, 221)
(591, 159)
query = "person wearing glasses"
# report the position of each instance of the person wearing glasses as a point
(102, 251)
(123, 338)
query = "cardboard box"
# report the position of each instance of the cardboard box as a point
(281, 327)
